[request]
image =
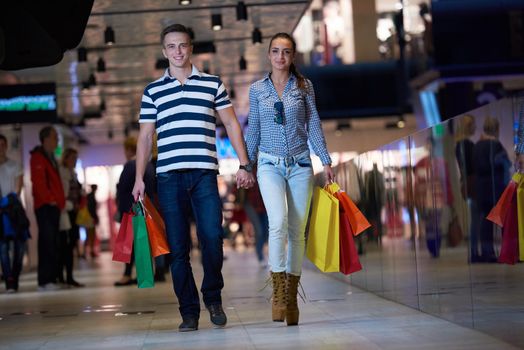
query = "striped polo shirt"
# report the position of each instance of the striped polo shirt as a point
(185, 119)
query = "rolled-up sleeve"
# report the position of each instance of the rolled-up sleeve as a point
(315, 133)
(253, 126)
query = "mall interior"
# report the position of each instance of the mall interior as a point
(406, 91)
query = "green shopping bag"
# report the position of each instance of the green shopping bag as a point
(143, 259)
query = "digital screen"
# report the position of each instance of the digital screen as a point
(28, 103)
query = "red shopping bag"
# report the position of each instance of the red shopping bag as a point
(349, 261)
(124, 240)
(510, 246)
(156, 229)
(500, 210)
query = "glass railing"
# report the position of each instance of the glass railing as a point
(430, 246)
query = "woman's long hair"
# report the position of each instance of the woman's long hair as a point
(301, 81)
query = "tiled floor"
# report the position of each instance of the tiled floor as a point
(335, 316)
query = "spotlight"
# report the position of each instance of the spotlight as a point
(256, 36)
(185, 2)
(401, 123)
(241, 11)
(82, 54)
(109, 36)
(242, 63)
(216, 21)
(100, 65)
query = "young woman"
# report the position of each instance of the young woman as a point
(282, 118)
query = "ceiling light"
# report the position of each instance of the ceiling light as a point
(216, 21)
(185, 2)
(241, 11)
(242, 63)
(256, 36)
(100, 65)
(82, 54)
(109, 36)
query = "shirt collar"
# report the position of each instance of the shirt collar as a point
(267, 77)
(194, 73)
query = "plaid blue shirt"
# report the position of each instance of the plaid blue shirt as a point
(301, 121)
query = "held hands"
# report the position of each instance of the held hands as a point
(329, 174)
(138, 189)
(245, 179)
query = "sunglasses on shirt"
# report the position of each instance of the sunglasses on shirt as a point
(279, 115)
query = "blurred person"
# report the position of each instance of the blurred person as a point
(181, 107)
(92, 207)
(464, 152)
(256, 213)
(124, 196)
(12, 244)
(49, 201)
(69, 230)
(519, 147)
(282, 119)
(491, 166)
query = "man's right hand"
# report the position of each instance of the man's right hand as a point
(139, 189)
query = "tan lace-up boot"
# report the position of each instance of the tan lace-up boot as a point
(292, 305)
(279, 299)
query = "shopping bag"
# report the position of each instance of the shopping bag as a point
(499, 211)
(349, 261)
(509, 248)
(143, 259)
(156, 229)
(323, 241)
(84, 219)
(124, 240)
(357, 220)
(455, 235)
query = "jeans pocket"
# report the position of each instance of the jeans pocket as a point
(304, 163)
(264, 161)
(163, 178)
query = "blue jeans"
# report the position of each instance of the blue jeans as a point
(193, 193)
(11, 256)
(286, 185)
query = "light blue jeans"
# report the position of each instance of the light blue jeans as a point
(286, 185)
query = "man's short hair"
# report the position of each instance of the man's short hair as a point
(175, 28)
(3, 138)
(45, 132)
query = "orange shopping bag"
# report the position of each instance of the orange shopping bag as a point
(501, 209)
(357, 220)
(156, 229)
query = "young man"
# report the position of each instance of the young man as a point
(49, 200)
(181, 105)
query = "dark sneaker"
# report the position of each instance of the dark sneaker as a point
(189, 324)
(217, 315)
